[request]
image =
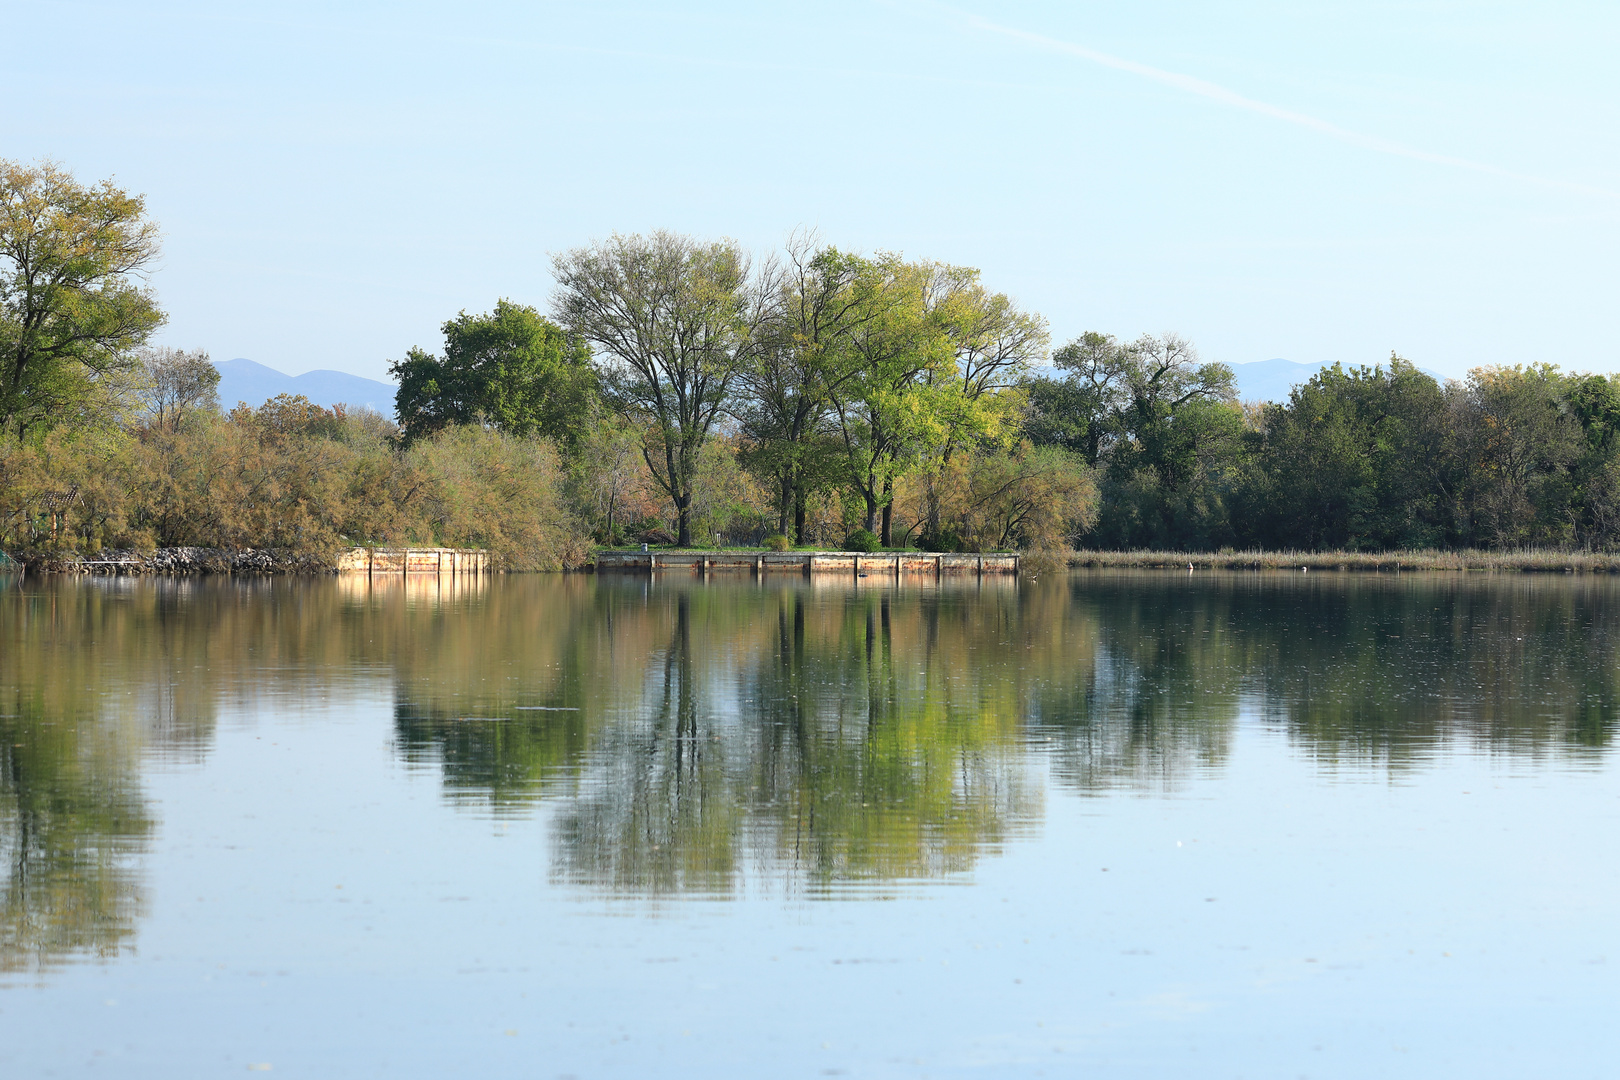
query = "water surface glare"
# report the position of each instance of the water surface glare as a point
(1112, 824)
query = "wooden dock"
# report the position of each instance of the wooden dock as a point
(849, 564)
(401, 562)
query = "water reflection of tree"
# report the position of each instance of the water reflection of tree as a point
(84, 688)
(882, 764)
(795, 742)
(95, 677)
(1396, 670)
(662, 813)
(98, 676)
(1357, 668)
(1147, 683)
(71, 825)
(713, 738)
(502, 690)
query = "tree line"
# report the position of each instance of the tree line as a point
(817, 396)
(1371, 458)
(678, 390)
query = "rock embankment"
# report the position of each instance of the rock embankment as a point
(189, 560)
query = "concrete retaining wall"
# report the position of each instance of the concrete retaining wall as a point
(377, 561)
(804, 563)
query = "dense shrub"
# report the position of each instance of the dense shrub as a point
(290, 476)
(862, 540)
(777, 542)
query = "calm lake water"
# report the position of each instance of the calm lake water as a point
(1112, 824)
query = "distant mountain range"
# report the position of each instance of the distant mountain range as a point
(1272, 380)
(243, 380)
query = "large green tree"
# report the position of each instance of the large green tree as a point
(511, 368)
(675, 321)
(1081, 411)
(1358, 458)
(1594, 400)
(74, 302)
(981, 394)
(804, 359)
(1164, 428)
(894, 410)
(1518, 438)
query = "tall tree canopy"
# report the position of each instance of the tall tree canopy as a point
(675, 320)
(979, 397)
(804, 359)
(74, 302)
(874, 369)
(1163, 428)
(511, 368)
(888, 416)
(1356, 459)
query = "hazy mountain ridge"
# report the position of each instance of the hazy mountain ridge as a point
(244, 380)
(254, 383)
(1272, 380)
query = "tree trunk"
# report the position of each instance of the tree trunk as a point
(887, 535)
(683, 521)
(931, 522)
(798, 516)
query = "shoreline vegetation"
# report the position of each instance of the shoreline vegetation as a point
(679, 391)
(192, 561)
(1530, 561)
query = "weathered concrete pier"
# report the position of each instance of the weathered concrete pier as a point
(892, 564)
(413, 560)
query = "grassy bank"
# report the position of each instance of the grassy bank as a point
(1524, 561)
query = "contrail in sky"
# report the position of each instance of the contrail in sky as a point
(1216, 92)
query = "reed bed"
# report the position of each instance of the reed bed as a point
(1530, 560)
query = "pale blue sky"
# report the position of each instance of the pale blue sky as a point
(1311, 181)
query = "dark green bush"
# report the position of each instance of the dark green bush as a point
(863, 540)
(777, 542)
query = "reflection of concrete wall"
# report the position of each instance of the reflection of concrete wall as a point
(376, 561)
(427, 587)
(958, 583)
(808, 563)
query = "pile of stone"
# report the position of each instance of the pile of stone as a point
(193, 560)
